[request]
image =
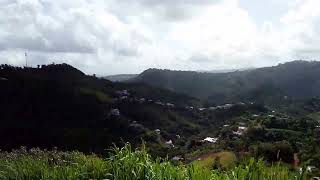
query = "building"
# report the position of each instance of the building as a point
(160, 103)
(123, 92)
(240, 131)
(115, 112)
(157, 131)
(169, 144)
(210, 140)
(170, 105)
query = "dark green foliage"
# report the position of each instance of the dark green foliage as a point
(273, 85)
(274, 151)
(58, 105)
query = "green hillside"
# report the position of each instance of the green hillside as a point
(274, 85)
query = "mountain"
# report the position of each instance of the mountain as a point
(120, 77)
(58, 105)
(227, 70)
(278, 84)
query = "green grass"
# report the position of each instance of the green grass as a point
(225, 160)
(125, 164)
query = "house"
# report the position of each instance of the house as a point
(178, 136)
(157, 131)
(241, 128)
(123, 92)
(210, 140)
(237, 133)
(212, 108)
(227, 106)
(170, 105)
(240, 131)
(169, 144)
(241, 103)
(255, 115)
(226, 125)
(242, 124)
(310, 169)
(189, 107)
(177, 158)
(141, 100)
(123, 97)
(202, 109)
(115, 112)
(160, 103)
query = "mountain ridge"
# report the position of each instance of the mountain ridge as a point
(248, 85)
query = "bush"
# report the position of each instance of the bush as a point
(124, 163)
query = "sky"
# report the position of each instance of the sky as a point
(129, 36)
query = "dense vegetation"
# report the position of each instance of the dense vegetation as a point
(59, 106)
(125, 163)
(274, 85)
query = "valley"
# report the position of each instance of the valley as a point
(58, 106)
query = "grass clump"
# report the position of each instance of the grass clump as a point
(125, 164)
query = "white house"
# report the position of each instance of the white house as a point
(115, 112)
(160, 103)
(240, 131)
(157, 131)
(170, 105)
(177, 158)
(210, 140)
(169, 144)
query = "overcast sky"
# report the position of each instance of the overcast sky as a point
(128, 36)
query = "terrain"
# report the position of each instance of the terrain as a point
(290, 81)
(120, 77)
(219, 122)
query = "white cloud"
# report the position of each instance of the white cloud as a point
(107, 37)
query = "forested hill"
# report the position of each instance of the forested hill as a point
(278, 84)
(58, 105)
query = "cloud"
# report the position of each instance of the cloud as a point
(107, 37)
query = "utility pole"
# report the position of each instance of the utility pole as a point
(26, 56)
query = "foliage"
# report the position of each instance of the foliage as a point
(273, 85)
(125, 163)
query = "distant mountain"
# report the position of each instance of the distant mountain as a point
(120, 77)
(278, 84)
(59, 106)
(227, 70)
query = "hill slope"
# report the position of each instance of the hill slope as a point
(58, 105)
(289, 81)
(120, 77)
